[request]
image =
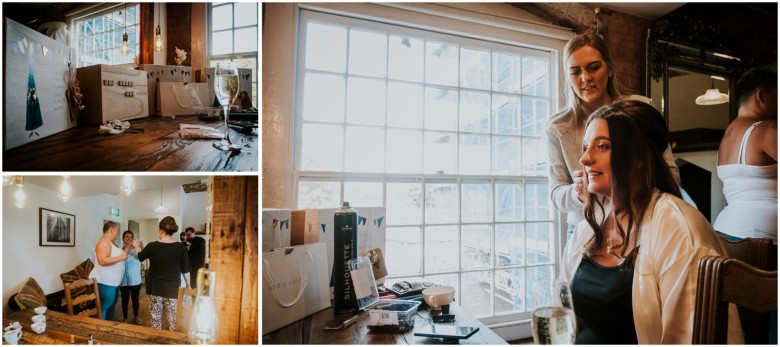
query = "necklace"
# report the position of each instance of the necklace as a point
(614, 241)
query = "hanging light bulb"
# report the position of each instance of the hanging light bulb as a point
(712, 96)
(161, 208)
(158, 46)
(125, 49)
(203, 323)
(8, 180)
(65, 189)
(20, 198)
(127, 185)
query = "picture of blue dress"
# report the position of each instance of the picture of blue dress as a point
(34, 118)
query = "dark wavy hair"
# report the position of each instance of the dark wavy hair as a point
(762, 77)
(638, 138)
(168, 225)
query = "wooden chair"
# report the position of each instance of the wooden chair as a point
(87, 297)
(761, 253)
(727, 280)
(184, 314)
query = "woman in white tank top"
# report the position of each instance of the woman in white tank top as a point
(109, 268)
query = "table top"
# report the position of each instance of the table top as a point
(61, 326)
(152, 144)
(310, 331)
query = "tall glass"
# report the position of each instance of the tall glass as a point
(226, 87)
(554, 322)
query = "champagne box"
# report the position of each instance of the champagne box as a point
(205, 76)
(112, 93)
(276, 228)
(163, 73)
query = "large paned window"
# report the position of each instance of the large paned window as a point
(233, 36)
(98, 36)
(444, 131)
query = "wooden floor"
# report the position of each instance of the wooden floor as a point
(143, 308)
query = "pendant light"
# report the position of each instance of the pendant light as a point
(712, 96)
(158, 46)
(66, 191)
(20, 198)
(161, 208)
(125, 49)
(127, 185)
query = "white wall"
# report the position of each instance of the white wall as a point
(23, 257)
(194, 210)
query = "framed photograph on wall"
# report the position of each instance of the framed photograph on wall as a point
(57, 228)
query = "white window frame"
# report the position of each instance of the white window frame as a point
(234, 55)
(449, 21)
(95, 11)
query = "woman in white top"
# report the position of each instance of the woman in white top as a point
(747, 159)
(632, 263)
(109, 268)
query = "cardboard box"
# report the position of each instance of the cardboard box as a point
(276, 228)
(163, 73)
(36, 67)
(112, 93)
(302, 232)
(244, 82)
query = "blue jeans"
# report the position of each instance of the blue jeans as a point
(107, 300)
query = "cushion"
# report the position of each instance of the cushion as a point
(31, 295)
(80, 272)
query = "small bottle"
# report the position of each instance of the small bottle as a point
(89, 342)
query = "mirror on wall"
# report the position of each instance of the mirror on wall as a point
(684, 89)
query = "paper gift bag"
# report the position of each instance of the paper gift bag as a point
(295, 284)
(181, 98)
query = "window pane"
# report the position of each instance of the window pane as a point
(474, 112)
(323, 98)
(404, 241)
(322, 148)
(221, 17)
(540, 275)
(474, 69)
(477, 287)
(536, 201)
(403, 151)
(440, 242)
(365, 150)
(506, 119)
(506, 155)
(318, 194)
(363, 193)
(441, 64)
(509, 290)
(441, 109)
(404, 203)
(441, 203)
(406, 59)
(221, 42)
(367, 53)
(474, 154)
(404, 105)
(534, 157)
(245, 13)
(477, 204)
(537, 243)
(365, 101)
(506, 73)
(510, 244)
(509, 201)
(534, 76)
(440, 152)
(246, 40)
(326, 47)
(476, 250)
(534, 114)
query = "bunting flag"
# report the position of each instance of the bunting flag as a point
(323, 227)
(378, 221)
(275, 222)
(362, 220)
(283, 223)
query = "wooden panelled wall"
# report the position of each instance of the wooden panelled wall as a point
(233, 255)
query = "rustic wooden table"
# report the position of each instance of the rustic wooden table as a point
(61, 327)
(310, 331)
(152, 144)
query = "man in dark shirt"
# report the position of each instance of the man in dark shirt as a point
(197, 253)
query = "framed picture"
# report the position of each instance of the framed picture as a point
(57, 228)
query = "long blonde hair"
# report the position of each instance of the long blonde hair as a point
(573, 102)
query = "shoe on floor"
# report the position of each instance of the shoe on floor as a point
(138, 320)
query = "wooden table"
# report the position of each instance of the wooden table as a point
(310, 331)
(61, 326)
(155, 145)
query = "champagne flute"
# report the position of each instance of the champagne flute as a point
(554, 322)
(226, 87)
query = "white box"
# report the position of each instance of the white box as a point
(163, 73)
(276, 228)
